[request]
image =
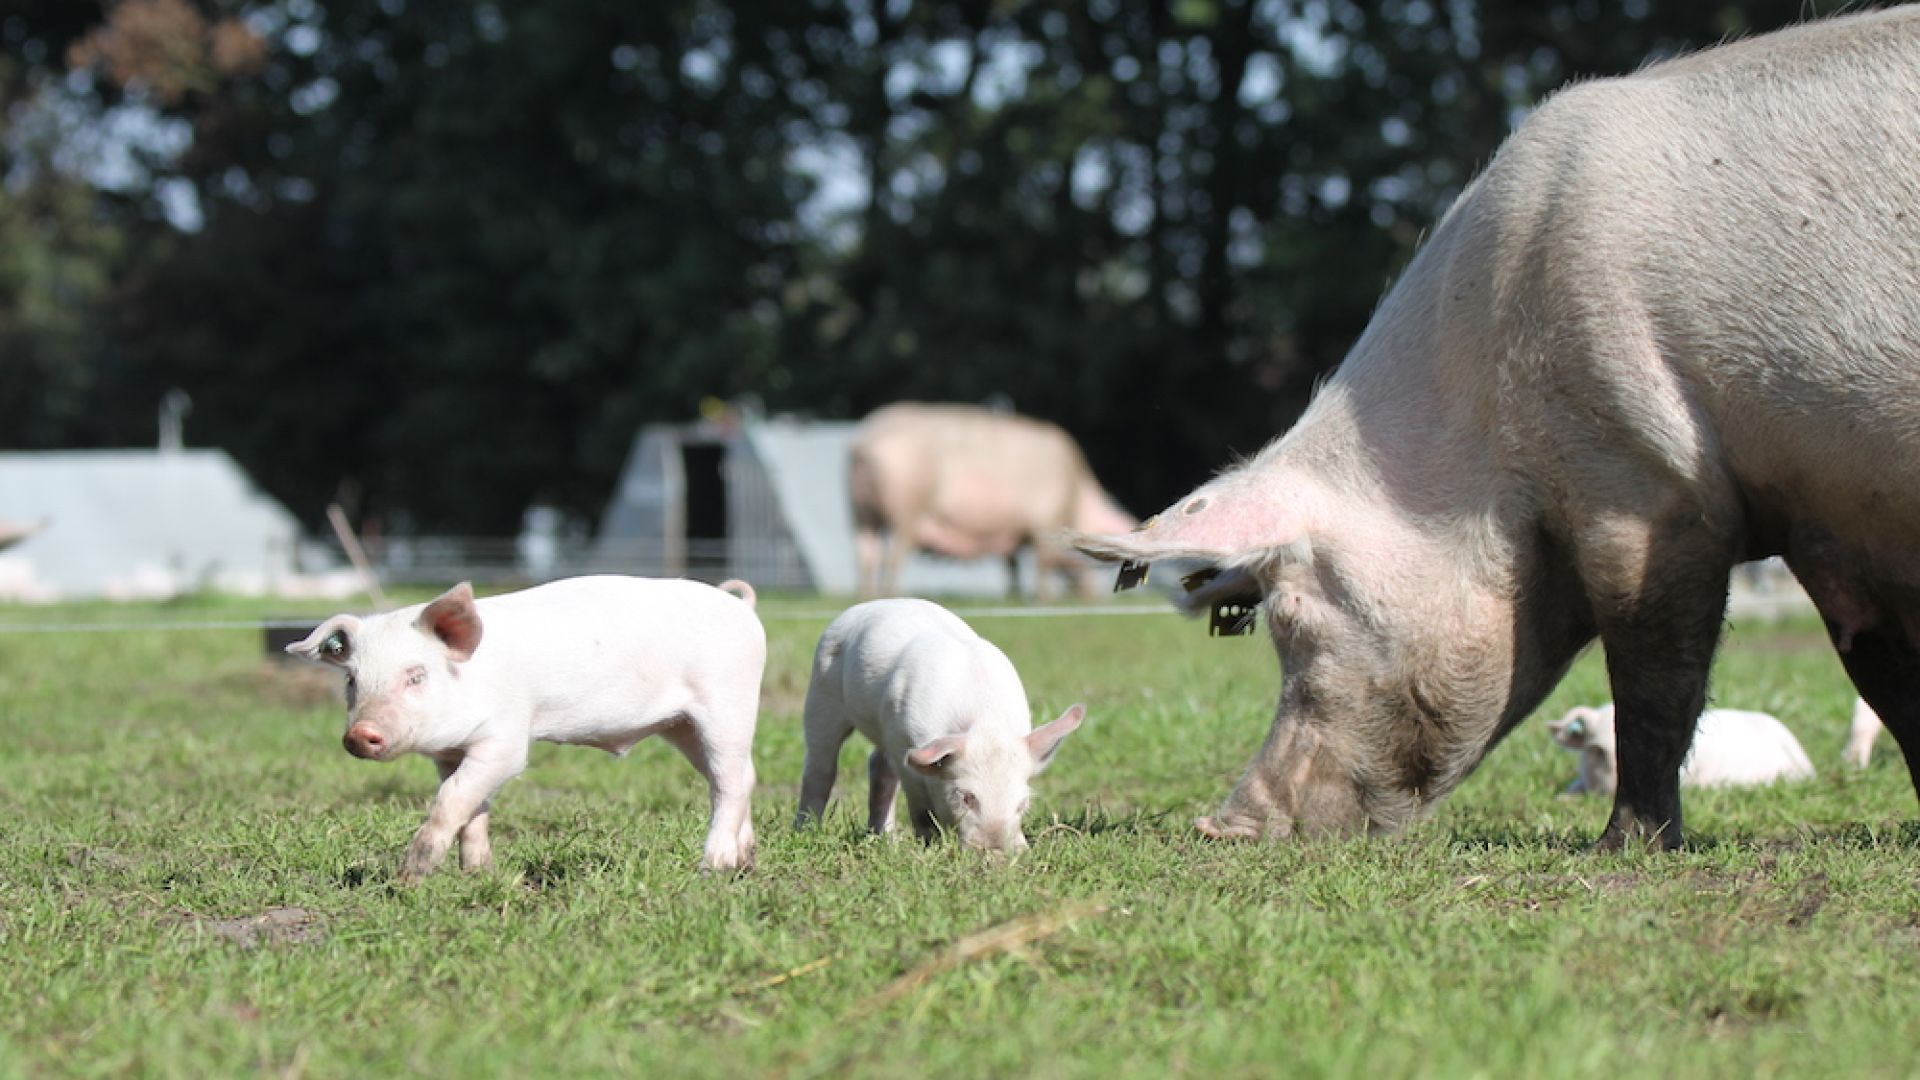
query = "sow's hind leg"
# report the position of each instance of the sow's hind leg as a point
(1871, 629)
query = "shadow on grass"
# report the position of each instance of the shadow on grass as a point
(1859, 836)
(1098, 821)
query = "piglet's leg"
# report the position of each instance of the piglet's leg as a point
(460, 807)
(826, 726)
(882, 785)
(728, 767)
(476, 851)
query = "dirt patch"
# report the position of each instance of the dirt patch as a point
(283, 683)
(275, 926)
(88, 857)
(1555, 884)
(1813, 897)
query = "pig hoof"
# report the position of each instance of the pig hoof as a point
(413, 871)
(1216, 829)
(738, 863)
(1617, 839)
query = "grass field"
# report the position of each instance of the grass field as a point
(196, 881)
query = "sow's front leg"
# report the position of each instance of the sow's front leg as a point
(1660, 633)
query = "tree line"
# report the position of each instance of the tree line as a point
(440, 259)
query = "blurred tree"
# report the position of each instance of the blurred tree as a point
(449, 255)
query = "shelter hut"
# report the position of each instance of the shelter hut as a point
(764, 500)
(128, 524)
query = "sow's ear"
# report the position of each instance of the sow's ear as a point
(1045, 739)
(933, 758)
(454, 619)
(332, 642)
(1236, 518)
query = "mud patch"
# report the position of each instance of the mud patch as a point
(279, 682)
(86, 857)
(275, 926)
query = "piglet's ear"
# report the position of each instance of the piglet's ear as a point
(455, 620)
(1045, 739)
(933, 758)
(1577, 729)
(332, 642)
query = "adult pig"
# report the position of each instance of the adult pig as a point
(966, 483)
(593, 661)
(1675, 325)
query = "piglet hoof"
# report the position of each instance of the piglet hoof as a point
(417, 865)
(473, 864)
(1220, 829)
(729, 864)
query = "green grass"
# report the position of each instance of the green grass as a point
(161, 792)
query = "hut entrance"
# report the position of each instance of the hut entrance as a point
(704, 467)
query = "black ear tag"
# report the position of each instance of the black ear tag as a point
(1132, 575)
(1199, 577)
(1232, 619)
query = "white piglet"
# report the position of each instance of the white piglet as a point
(592, 661)
(946, 713)
(1862, 730)
(1731, 748)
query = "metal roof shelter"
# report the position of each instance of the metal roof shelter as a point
(126, 524)
(764, 500)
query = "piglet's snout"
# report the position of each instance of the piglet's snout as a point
(998, 842)
(362, 741)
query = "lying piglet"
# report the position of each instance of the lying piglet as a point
(1731, 748)
(947, 715)
(594, 661)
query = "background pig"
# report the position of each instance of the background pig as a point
(947, 716)
(1731, 748)
(1672, 327)
(593, 661)
(966, 483)
(1862, 730)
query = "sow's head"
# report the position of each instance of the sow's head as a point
(1398, 648)
(403, 671)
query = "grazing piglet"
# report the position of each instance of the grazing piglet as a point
(1731, 748)
(1861, 732)
(593, 661)
(947, 715)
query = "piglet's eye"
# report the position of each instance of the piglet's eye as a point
(967, 799)
(335, 646)
(416, 678)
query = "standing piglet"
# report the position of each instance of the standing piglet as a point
(946, 713)
(593, 661)
(1731, 748)
(1862, 730)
